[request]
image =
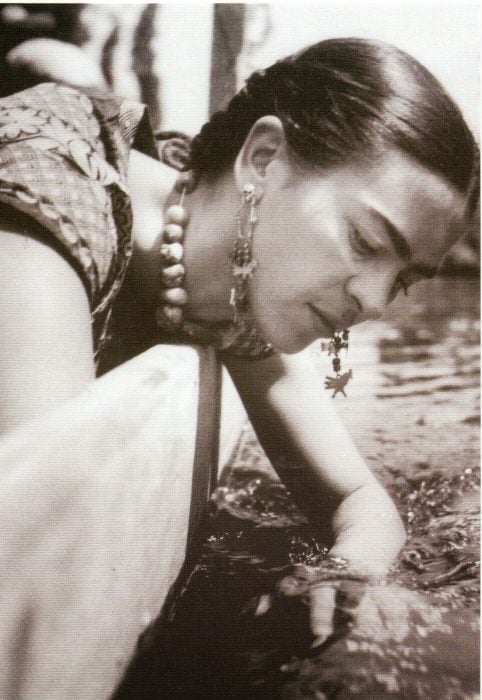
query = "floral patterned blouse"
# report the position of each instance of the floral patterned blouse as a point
(63, 161)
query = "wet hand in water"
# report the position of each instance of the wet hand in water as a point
(333, 597)
(331, 591)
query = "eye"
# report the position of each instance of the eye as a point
(359, 243)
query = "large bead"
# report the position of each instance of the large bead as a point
(171, 253)
(173, 233)
(169, 317)
(173, 275)
(176, 214)
(176, 296)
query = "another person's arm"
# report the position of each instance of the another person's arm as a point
(46, 354)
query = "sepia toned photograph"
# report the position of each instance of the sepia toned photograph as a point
(240, 350)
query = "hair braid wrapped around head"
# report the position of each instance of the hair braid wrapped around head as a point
(221, 138)
(341, 100)
(174, 148)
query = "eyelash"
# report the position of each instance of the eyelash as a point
(360, 245)
(402, 284)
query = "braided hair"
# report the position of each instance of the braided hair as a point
(344, 99)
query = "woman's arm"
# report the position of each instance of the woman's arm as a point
(314, 455)
(309, 447)
(46, 354)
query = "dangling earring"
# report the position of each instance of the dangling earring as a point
(338, 342)
(243, 264)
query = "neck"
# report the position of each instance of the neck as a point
(208, 241)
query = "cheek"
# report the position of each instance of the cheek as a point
(300, 251)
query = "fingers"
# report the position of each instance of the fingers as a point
(264, 604)
(295, 585)
(320, 596)
(333, 600)
(322, 600)
(349, 595)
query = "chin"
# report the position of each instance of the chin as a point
(289, 344)
(288, 332)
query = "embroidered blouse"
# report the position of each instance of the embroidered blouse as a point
(63, 161)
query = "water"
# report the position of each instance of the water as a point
(413, 410)
(417, 377)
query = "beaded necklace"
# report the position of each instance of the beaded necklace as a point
(239, 336)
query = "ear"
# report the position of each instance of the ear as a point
(265, 143)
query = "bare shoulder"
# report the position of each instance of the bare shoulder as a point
(46, 354)
(31, 263)
(150, 183)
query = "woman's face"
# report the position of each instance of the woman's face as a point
(334, 249)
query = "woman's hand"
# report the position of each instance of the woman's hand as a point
(333, 594)
(368, 535)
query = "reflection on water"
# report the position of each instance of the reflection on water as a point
(437, 341)
(433, 334)
(413, 409)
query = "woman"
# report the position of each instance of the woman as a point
(336, 178)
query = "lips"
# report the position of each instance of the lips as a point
(325, 326)
(350, 318)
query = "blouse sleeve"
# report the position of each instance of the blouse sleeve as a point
(63, 161)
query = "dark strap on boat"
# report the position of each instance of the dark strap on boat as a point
(206, 453)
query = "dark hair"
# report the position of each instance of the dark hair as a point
(343, 99)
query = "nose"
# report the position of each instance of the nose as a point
(369, 295)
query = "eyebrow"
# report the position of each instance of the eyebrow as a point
(428, 271)
(401, 246)
(398, 240)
